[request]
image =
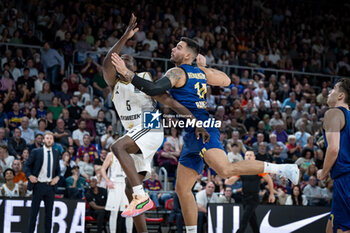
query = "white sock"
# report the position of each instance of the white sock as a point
(191, 229)
(273, 168)
(138, 190)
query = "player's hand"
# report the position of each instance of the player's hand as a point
(202, 132)
(119, 65)
(321, 175)
(131, 29)
(201, 61)
(110, 184)
(272, 198)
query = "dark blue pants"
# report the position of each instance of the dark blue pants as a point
(53, 75)
(45, 192)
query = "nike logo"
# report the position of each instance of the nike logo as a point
(266, 227)
(141, 205)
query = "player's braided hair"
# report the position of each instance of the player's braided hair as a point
(344, 86)
(192, 44)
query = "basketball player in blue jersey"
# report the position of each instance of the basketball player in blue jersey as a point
(129, 101)
(336, 126)
(187, 84)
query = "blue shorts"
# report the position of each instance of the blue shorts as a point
(340, 214)
(193, 149)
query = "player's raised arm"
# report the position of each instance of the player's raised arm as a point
(109, 72)
(334, 121)
(214, 77)
(173, 77)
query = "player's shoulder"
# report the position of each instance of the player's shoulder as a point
(334, 113)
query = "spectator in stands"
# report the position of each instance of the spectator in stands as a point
(89, 69)
(235, 139)
(69, 123)
(203, 198)
(39, 82)
(175, 139)
(86, 147)
(26, 80)
(62, 135)
(42, 125)
(314, 193)
(37, 142)
(41, 112)
(55, 108)
(227, 197)
(7, 82)
(263, 154)
(5, 159)
(234, 154)
(84, 96)
(25, 155)
(296, 197)
(75, 184)
(99, 85)
(97, 198)
(107, 139)
(15, 116)
(168, 158)
(79, 133)
(66, 165)
(291, 101)
(53, 65)
(3, 116)
(3, 139)
(294, 150)
(100, 125)
(276, 120)
(20, 177)
(302, 136)
(27, 133)
(281, 134)
(252, 120)
(86, 166)
(74, 109)
(10, 188)
(46, 95)
(63, 95)
(33, 120)
(16, 144)
(306, 159)
(15, 72)
(90, 126)
(154, 187)
(275, 147)
(93, 108)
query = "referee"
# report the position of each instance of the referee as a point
(250, 188)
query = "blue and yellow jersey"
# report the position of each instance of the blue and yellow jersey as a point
(342, 164)
(193, 94)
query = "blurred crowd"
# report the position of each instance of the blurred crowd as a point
(279, 117)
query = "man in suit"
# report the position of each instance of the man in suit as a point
(42, 170)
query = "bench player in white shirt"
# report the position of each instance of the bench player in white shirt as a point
(130, 104)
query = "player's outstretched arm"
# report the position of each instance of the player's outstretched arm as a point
(109, 72)
(334, 121)
(173, 77)
(214, 77)
(170, 102)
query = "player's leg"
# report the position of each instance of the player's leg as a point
(113, 221)
(122, 149)
(140, 222)
(141, 201)
(217, 159)
(186, 177)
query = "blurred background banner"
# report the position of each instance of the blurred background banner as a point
(224, 218)
(68, 216)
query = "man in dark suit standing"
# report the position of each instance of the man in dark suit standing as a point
(42, 170)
